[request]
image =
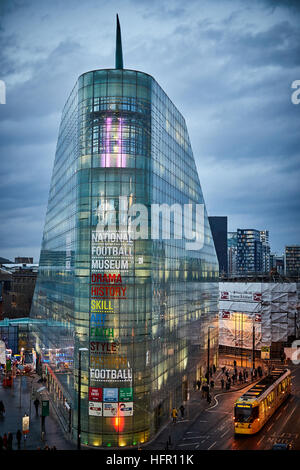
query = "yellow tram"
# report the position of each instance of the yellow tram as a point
(253, 409)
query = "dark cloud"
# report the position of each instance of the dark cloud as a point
(227, 65)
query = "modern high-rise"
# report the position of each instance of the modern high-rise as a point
(277, 263)
(292, 260)
(266, 250)
(218, 226)
(249, 251)
(232, 252)
(136, 310)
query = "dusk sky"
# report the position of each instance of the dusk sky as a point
(227, 65)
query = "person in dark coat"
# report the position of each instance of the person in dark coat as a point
(182, 411)
(36, 405)
(222, 383)
(9, 441)
(19, 438)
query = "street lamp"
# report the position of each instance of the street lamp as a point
(208, 350)
(253, 346)
(79, 400)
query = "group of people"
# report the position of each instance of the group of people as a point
(174, 413)
(6, 442)
(241, 376)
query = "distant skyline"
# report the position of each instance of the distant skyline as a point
(227, 65)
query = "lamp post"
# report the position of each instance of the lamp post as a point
(79, 400)
(208, 350)
(253, 346)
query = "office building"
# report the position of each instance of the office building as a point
(232, 252)
(292, 260)
(249, 251)
(218, 226)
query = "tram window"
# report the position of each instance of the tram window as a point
(246, 415)
(255, 412)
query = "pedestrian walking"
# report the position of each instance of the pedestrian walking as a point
(182, 411)
(212, 384)
(198, 384)
(36, 405)
(223, 369)
(222, 383)
(2, 408)
(19, 438)
(240, 376)
(9, 441)
(174, 415)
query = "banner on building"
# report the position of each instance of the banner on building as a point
(95, 408)
(126, 409)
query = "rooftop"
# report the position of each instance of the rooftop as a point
(260, 387)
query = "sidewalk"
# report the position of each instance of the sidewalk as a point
(171, 434)
(17, 404)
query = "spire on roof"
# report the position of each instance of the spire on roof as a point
(119, 53)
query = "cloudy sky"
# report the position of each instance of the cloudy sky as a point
(227, 65)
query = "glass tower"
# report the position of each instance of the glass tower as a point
(140, 305)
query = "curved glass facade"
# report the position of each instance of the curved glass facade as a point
(141, 306)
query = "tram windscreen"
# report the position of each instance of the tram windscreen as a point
(245, 414)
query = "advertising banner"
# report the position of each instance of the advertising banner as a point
(265, 352)
(126, 409)
(25, 424)
(110, 409)
(110, 395)
(126, 394)
(95, 394)
(2, 352)
(95, 408)
(242, 296)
